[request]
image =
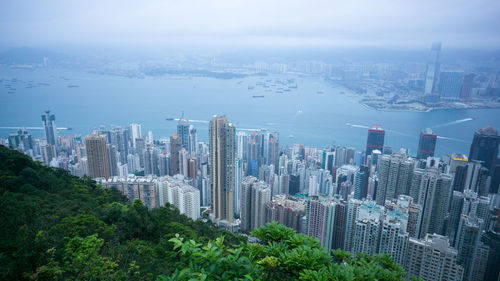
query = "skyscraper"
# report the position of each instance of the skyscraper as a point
(193, 141)
(432, 189)
(49, 127)
(183, 133)
(317, 215)
(361, 183)
(273, 151)
(432, 258)
(375, 139)
(222, 157)
(450, 84)
(255, 194)
(484, 147)
(468, 238)
(97, 156)
(285, 211)
(393, 235)
(175, 148)
(366, 228)
(135, 132)
(467, 84)
(432, 71)
(395, 176)
(426, 144)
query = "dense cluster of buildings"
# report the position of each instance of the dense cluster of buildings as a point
(439, 218)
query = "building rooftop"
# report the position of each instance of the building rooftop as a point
(488, 131)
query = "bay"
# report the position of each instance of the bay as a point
(315, 113)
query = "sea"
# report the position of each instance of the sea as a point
(317, 113)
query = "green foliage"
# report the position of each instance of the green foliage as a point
(281, 254)
(55, 226)
(82, 260)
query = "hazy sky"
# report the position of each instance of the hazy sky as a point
(403, 23)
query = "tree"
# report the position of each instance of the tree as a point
(82, 260)
(281, 254)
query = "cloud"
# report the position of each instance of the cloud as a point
(457, 23)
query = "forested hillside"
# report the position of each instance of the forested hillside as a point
(57, 226)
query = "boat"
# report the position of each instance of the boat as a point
(169, 119)
(291, 136)
(279, 92)
(320, 92)
(250, 87)
(73, 86)
(261, 96)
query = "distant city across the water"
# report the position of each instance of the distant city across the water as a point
(305, 109)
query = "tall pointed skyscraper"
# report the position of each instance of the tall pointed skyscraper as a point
(432, 73)
(222, 157)
(49, 126)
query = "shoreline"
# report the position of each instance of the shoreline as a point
(427, 109)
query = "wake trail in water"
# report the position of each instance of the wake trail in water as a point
(451, 139)
(357, 126)
(453, 122)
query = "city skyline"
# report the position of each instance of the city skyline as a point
(383, 201)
